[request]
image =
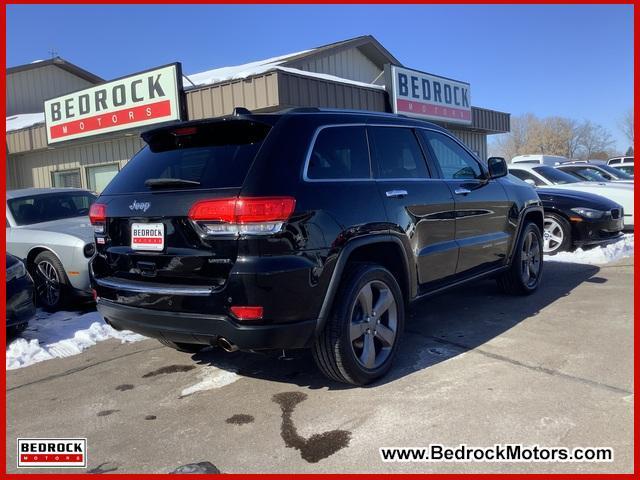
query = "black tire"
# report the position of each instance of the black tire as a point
(342, 358)
(15, 331)
(44, 267)
(182, 347)
(556, 226)
(514, 281)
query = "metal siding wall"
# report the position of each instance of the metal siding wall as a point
(475, 141)
(299, 91)
(27, 90)
(490, 120)
(255, 93)
(350, 63)
(34, 169)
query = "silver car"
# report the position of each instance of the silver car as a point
(49, 229)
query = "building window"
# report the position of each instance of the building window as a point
(66, 178)
(98, 177)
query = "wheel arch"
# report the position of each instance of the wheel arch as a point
(386, 250)
(535, 214)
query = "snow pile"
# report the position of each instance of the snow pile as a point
(611, 252)
(24, 120)
(61, 334)
(239, 71)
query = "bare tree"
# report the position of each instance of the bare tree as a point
(626, 125)
(594, 139)
(515, 142)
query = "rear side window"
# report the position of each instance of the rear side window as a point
(216, 155)
(339, 153)
(396, 152)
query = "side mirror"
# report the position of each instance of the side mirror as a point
(497, 167)
(530, 182)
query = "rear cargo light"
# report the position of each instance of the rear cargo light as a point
(185, 131)
(242, 215)
(247, 313)
(98, 217)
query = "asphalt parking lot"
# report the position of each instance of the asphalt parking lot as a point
(476, 367)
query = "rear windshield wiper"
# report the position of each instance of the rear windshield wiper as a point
(169, 182)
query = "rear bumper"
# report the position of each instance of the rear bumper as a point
(206, 329)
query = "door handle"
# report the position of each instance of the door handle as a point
(462, 191)
(397, 193)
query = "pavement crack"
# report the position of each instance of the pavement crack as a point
(517, 363)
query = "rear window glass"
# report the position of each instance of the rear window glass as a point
(216, 155)
(339, 152)
(49, 207)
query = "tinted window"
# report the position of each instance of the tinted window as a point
(215, 155)
(455, 162)
(616, 172)
(627, 169)
(397, 153)
(49, 207)
(339, 152)
(555, 176)
(592, 174)
(614, 161)
(523, 175)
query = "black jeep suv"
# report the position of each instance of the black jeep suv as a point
(304, 228)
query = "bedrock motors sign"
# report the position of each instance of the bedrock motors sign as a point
(52, 452)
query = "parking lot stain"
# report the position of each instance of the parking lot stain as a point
(124, 386)
(104, 413)
(169, 369)
(103, 469)
(240, 419)
(318, 445)
(200, 467)
(150, 417)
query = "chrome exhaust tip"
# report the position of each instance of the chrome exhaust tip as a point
(226, 345)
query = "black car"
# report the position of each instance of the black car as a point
(305, 228)
(575, 219)
(21, 306)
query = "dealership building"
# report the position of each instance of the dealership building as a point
(67, 127)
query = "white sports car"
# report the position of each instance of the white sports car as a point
(49, 229)
(545, 176)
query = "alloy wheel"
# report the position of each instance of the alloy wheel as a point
(530, 259)
(553, 235)
(374, 324)
(48, 286)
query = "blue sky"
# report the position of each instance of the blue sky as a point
(574, 61)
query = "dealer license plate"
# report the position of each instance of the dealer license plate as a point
(147, 236)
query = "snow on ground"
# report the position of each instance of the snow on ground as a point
(61, 334)
(211, 378)
(611, 252)
(24, 120)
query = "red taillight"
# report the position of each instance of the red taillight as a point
(244, 215)
(97, 213)
(247, 313)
